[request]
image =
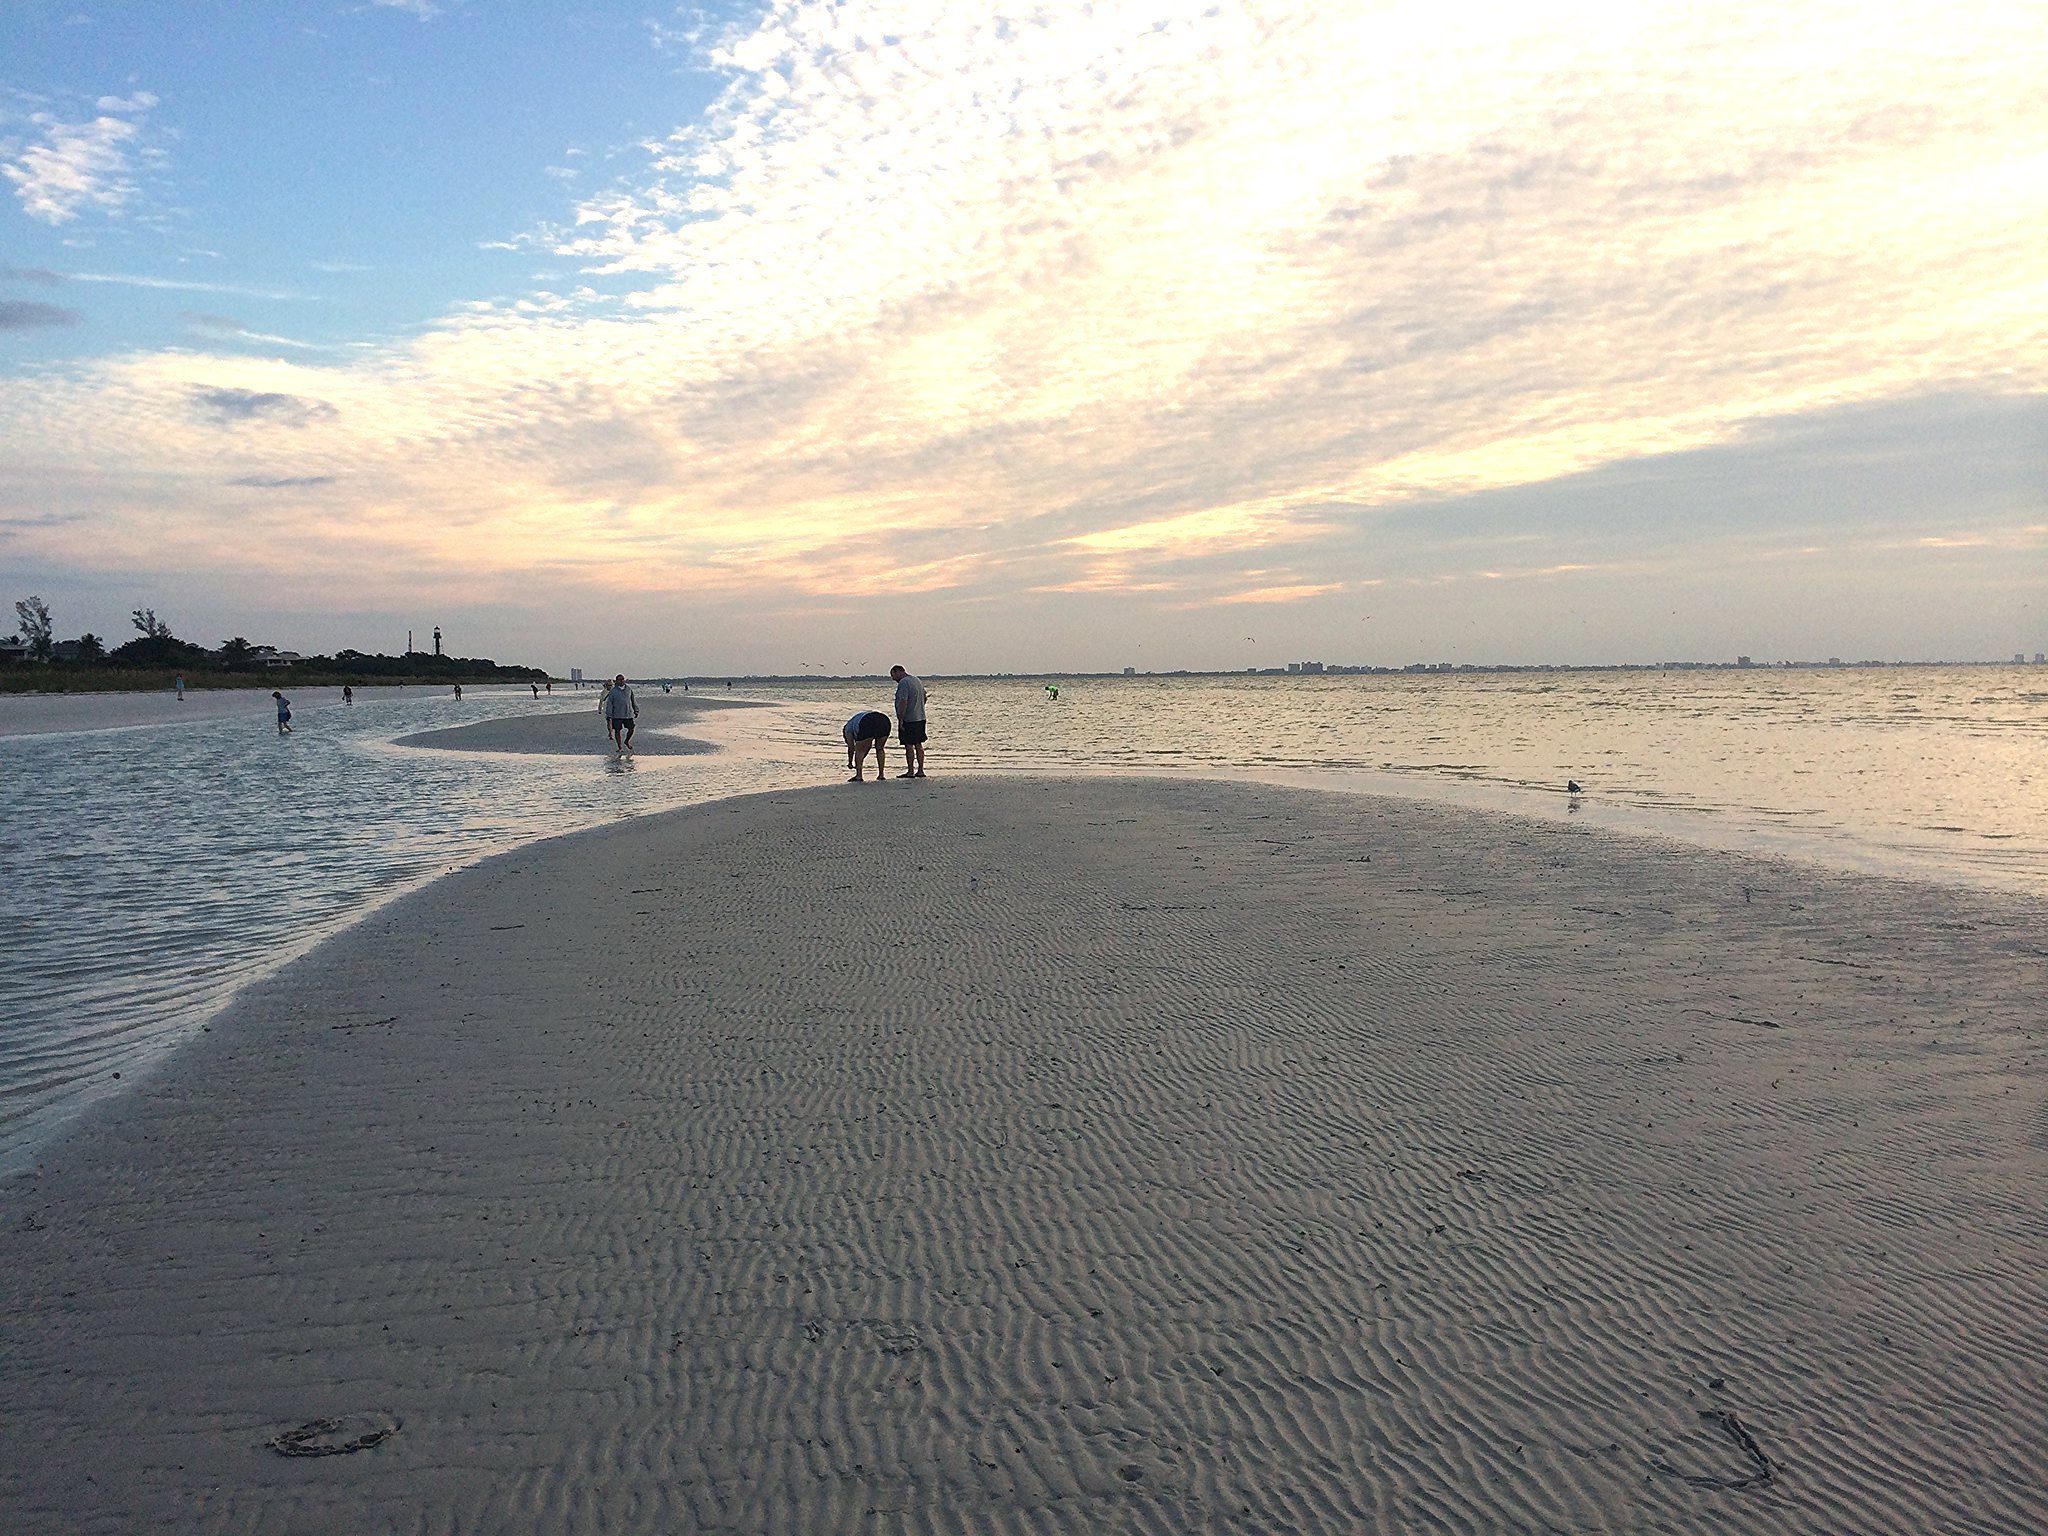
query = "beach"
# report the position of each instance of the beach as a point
(1043, 1154)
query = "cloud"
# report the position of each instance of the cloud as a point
(1120, 299)
(181, 285)
(69, 168)
(41, 276)
(239, 405)
(281, 482)
(1296, 593)
(425, 10)
(16, 315)
(227, 325)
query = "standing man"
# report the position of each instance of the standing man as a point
(284, 713)
(620, 709)
(909, 722)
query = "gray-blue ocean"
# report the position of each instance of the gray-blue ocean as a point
(147, 872)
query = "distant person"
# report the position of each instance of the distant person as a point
(620, 710)
(284, 713)
(536, 689)
(458, 693)
(348, 694)
(181, 687)
(867, 729)
(910, 727)
(551, 687)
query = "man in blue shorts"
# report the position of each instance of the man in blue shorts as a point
(868, 728)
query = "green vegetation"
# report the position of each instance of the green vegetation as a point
(33, 661)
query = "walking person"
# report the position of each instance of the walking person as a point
(869, 728)
(348, 694)
(284, 713)
(458, 693)
(910, 727)
(181, 687)
(620, 710)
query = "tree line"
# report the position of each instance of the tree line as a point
(154, 649)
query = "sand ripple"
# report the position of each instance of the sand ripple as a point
(1029, 1156)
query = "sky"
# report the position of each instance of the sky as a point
(801, 337)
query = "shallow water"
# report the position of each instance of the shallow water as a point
(1938, 773)
(146, 873)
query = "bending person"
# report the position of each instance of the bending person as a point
(869, 728)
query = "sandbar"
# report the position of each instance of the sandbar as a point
(1053, 1155)
(580, 732)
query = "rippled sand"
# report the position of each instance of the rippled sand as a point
(1038, 1155)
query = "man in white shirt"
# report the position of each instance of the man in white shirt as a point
(910, 727)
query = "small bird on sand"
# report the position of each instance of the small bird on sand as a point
(1571, 787)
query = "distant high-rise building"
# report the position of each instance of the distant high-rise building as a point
(2020, 657)
(1130, 671)
(1744, 661)
(2040, 657)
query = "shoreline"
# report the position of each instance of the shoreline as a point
(31, 1131)
(53, 714)
(549, 733)
(581, 732)
(1027, 957)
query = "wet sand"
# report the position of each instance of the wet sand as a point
(1042, 1155)
(567, 732)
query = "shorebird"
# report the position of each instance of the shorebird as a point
(1571, 787)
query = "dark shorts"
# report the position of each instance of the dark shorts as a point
(619, 722)
(874, 726)
(911, 733)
